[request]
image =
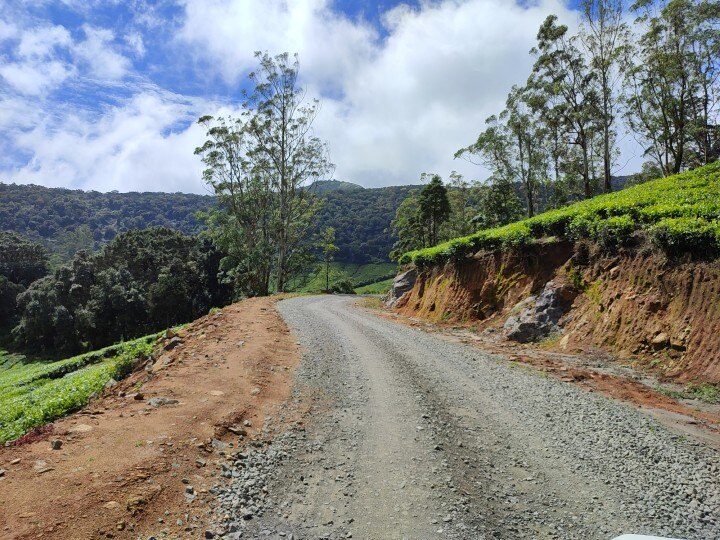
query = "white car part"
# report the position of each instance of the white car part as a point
(641, 537)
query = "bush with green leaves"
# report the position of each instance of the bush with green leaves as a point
(33, 394)
(138, 283)
(22, 261)
(679, 235)
(680, 214)
(342, 287)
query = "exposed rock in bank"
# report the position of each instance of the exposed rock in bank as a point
(402, 283)
(538, 316)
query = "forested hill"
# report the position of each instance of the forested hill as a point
(65, 220)
(361, 219)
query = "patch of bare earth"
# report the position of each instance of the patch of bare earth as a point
(128, 468)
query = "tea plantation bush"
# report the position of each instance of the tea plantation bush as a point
(680, 215)
(33, 394)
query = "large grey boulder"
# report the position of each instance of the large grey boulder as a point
(537, 317)
(402, 283)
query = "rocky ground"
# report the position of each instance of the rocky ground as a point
(396, 433)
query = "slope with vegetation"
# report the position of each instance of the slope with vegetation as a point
(638, 269)
(65, 220)
(140, 282)
(357, 275)
(33, 393)
(678, 214)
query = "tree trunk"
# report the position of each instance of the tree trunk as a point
(606, 160)
(586, 170)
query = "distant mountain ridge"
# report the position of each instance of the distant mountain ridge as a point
(360, 216)
(326, 186)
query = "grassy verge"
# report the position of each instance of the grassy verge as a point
(381, 287)
(704, 392)
(359, 275)
(35, 393)
(679, 214)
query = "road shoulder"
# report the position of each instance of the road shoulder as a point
(129, 466)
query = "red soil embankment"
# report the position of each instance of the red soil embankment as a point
(666, 314)
(125, 467)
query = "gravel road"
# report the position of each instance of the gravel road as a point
(411, 436)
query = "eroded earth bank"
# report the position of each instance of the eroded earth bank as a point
(392, 432)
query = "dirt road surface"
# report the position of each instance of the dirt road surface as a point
(413, 436)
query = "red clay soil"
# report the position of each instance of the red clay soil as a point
(642, 308)
(119, 472)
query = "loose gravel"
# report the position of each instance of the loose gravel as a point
(411, 436)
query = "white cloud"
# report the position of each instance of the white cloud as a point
(42, 57)
(34, 78)
(35, 69)
(393, 105)
(227, 33)
(134, 147)
(99, 54)
(7, 30)
(392, 108)
(42, 42)
(135, 42)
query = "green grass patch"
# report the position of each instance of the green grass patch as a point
(358, 275)
(35, 393)
(381, 287)
(704, 392)
(679, 214)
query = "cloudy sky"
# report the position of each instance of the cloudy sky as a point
(103, 94)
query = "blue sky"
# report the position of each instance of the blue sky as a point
(104, 94)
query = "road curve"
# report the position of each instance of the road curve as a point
(411, 436)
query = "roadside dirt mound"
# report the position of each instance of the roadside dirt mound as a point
(661, 314)
(140, 459)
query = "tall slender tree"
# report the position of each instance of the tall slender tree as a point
(562, 70)
(329, 249)
(259, 165)
(464, 197)
(434, 207)
(407, 227)
(286, 150)
(606, 38)
(674, 95)
(525, 133)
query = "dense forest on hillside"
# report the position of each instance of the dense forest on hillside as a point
(56, 217)
(53, 215)
(361, 219)
(137, 283)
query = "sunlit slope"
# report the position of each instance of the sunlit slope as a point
(35, 393)
(678, 214)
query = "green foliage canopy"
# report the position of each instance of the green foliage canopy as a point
(139, 282)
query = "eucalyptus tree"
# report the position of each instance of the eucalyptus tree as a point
(494, 149)
(497, 205)
(464, 197)
(244, 224)
(287, 151)
(606, 39)
(562, 71)
(328, 249)
(434, 207)
(526, 133)
(673, 107)
(408, 227)
(705, 101)
(260, 165)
